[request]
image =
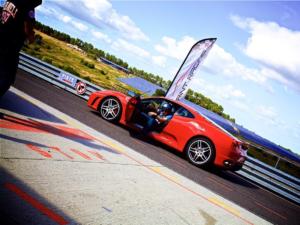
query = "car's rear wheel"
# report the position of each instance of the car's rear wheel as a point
(200, 152)
(236, 167)
(110, 109)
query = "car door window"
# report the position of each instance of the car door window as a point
(150, 105)
(184, 113)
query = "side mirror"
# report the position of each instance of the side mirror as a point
(132, 94)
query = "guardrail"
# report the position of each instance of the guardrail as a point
(56, 76)
(272, 179)
(254, 170)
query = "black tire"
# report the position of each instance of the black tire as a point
(110, 109)
(200, 152)
(236, 167)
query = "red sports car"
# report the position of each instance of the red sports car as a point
(203, 142)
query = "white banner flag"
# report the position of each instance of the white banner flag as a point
(188, 69)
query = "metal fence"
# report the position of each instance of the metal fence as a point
(56, 76)
(254, 170)
(272, 179)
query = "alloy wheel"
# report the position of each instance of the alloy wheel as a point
(199, 152)
(110, 109)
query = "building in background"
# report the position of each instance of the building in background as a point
(114, 65)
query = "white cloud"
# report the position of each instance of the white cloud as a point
(101, 36)
(221, 93)
(220, 62)
(295, 130)
(79, 26)
(66, 19)
(122, 45)
(143, 56)
(175, 49)
(267, 111)
(296, 135)
(101, 13)
(268, 114)
(43, 10)
(240, 105)
(159, 60)
(235, 92)
(275, 47)
(126, 26)
(228, 91)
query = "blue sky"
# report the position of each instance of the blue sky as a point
(253, 70)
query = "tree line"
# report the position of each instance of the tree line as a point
(96, 53)
(207, 103)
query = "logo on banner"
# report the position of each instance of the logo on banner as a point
(68, 79)
(9, 10)
(188, 69)
(182, 83)
(80, 88)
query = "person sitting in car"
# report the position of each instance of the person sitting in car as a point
(157, 119)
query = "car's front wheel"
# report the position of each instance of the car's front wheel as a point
(236, 167)
(110, 109)
(200, 152)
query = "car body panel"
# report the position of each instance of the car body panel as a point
(180, 129)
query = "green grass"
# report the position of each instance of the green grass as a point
(271, 160)
(57, 53)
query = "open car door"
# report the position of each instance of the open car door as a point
(172, 132)
(131, 106)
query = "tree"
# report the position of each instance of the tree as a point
(159, 92)
(38, 39)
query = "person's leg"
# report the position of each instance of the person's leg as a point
(8, 69)
(149, 125)
(143, 118)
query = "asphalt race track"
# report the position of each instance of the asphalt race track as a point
(227, 184)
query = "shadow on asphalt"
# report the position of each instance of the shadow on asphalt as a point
(14, 103)
(227, 176)
(20, 204)
(233, 178)
(36, 126)
(21, 141)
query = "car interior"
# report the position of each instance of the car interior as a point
(154, 105)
